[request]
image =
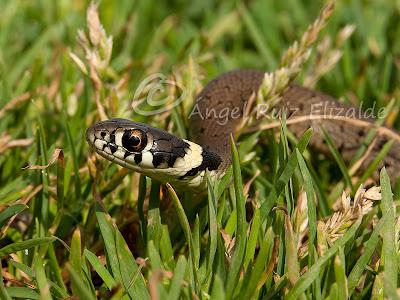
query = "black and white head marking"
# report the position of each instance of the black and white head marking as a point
(153, 152)
(210, 161)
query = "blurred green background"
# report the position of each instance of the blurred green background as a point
(46, 102)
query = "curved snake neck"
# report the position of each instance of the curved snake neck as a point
(218, 111)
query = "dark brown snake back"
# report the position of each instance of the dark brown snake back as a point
(220, 106)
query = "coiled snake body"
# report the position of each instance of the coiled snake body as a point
(167, 158)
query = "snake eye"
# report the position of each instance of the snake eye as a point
(134, 140)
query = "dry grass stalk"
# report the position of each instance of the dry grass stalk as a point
(357, 165)
(58, 155)
(328, 56)
(301, 219)
(347, 213)
(25, 200)
(397, 235)
(275, 83)
(381, 130)
(350, 212)
(97, 47)
(7, 143)
(15, 102)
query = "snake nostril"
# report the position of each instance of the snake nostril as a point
(103, 134)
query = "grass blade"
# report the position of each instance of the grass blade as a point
(213, 226)
(3, 291)
(10, 212)
(80, 288)
(41, 279)
(22, 267)
(24, 245)
(176, 282)
(374, 165)
(291, 260)
(256, 36)
(100, 269)
(248, 290)
(285, 176)
(340, 274)
(362, 262)
(186, 230)
(389, 253)
(22, 292)
(140, 204)
(120, 259)
(252, 241)
(308, 186)
(338, 158)
(76, 261)
(75, 160)
(307, 279)
(154, 257)
(153, 215)
(166, 251)
(218, 291)
(240, 237)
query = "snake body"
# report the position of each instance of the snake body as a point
(183, 163)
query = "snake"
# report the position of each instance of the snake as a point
(183, 163)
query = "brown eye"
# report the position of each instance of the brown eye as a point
(134, 140)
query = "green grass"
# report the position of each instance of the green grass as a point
(87, 228)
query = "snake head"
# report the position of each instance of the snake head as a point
(153, 152)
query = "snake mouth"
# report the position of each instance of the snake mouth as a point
(90, 135)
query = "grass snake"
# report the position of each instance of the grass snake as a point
(168, 158)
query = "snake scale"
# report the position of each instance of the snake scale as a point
(183, 163)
